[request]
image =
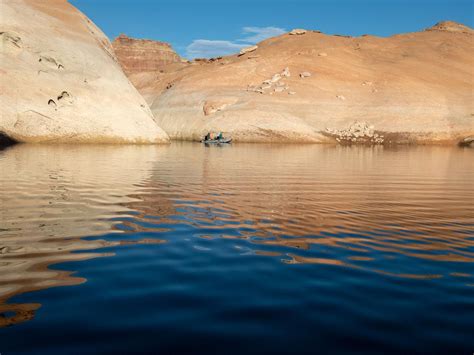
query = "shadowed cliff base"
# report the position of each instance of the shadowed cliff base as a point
(6, 141)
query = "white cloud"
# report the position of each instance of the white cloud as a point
(258, 34)
(205, 48)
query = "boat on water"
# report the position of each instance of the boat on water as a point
(217, 141)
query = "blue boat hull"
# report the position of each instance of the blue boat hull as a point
(217, 141)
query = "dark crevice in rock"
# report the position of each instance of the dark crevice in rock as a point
(64, 95)
(11, 38)
(6, 141)
(50, 62)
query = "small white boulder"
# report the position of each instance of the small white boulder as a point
(247, 50)
(298, 31)
(275, 78)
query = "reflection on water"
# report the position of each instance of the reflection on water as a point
(399, 212)
(50, 197)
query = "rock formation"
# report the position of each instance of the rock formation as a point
(61, 82)
(142, 55)
(297, 31)
(358, 132)
(450, 26)
(248, 50)
(411, 88)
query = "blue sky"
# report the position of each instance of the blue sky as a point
(206, 28)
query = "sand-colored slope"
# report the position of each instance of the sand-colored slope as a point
(61, 82)
(414, 87)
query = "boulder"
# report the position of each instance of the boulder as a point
(297, 31)
(450, 26)
(357, 133)
(217, 104)
(467, 142)
(248, 50)
(275, 78)
(61, 82)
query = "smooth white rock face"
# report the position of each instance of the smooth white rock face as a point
(61, 83)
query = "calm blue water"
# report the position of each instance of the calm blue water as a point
(236, 250)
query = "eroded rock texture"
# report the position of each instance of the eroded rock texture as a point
(141, 55)
(61, 82)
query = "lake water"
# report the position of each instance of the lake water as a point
(237, 249)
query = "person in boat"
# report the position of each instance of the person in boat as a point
(207, 137)
(219, 136)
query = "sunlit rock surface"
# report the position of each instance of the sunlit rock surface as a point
(141, 55)
(412, 88)
(61, 82)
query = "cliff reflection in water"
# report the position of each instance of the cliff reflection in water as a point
(367, 208)
(51, 196)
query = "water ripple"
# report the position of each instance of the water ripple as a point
(387, 220)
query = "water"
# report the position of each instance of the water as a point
(238, 249)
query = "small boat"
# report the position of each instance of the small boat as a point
(217, 141)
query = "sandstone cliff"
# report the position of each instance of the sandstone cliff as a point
(306, 86)
(61, 82)
(141, 55)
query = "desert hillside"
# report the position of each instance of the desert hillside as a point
(307, 86)
(61, 81)
(141, 55)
